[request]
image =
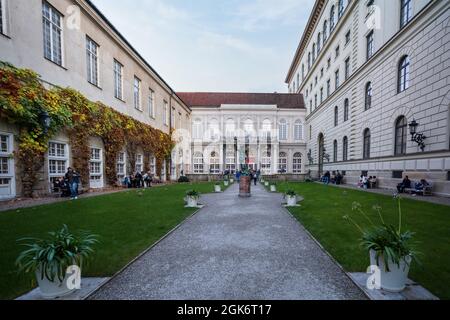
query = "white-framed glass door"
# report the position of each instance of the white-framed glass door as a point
(7, 172)
(96, 169)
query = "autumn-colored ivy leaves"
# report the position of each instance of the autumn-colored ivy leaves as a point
(23, 99)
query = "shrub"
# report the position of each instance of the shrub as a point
(183, 179)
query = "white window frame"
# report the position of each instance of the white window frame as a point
(297, 163)
(198, 163)
(57, 158)
(166, 111)
(96, 179)
(92, 65)
(282, 162)
(151, 104)
(266, 163)
(283, 130)
(172, 117)
(230, 161)
(298, 130)
(122, 162)
(153, 165)
(59, 28)
(118, 79)
(11, 174)
(214, 163)
(139, 165)
(3, 17)
(137, 84)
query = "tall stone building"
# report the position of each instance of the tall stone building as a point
(369, 71)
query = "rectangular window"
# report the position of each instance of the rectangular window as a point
(137, 93)
(153, 165)
(7, 179)
(336, 79)
(96, 168)
(4, 144)
(405, 12)
(151, 104)
(139, 163)
(121, 164)
(52, 24)
(92, 61)
(329, 63)
(315, 101)
(397, 174)
(347, 68)
(172, 118)
(328, 87)
(165, 115)
(347, 37)
(321, 95)
(370, 45)
(338, 51)
(118, 80)
(2, 17)
(58, 161)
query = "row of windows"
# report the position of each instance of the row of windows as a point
(405, 17)
(400, 141)
(213, 131)
(230, 163)
(53, 35)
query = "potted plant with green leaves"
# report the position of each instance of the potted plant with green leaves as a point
(291, 198)
(51, 259)
(390, 248)
(217, 187)
(273, 187)
(192, 197)
(266, 183)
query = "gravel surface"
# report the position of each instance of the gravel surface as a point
(234, 249)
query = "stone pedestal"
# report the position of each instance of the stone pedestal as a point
(245, 187)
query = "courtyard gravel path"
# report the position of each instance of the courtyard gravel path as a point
(234, 249)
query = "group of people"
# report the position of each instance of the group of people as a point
(68, 185)
(138, 180)
(367, 182)
(336, 178)
(419, 187)
(254, 175)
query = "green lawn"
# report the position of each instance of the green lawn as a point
(322, 214)
(127, 223)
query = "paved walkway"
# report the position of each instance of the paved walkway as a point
(234, 249)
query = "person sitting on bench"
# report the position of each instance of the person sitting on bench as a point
(420, 187)
(406, 184)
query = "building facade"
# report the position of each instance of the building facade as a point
(69, 43)
(257, 130)
(367, 69)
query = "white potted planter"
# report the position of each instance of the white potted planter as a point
(291, 201)
(395, 279)
(35, 258)
(217, 188)
(191, 199)
(53, 289)
(266, 183)
(231, 181)
(273, 188)
(226, 183)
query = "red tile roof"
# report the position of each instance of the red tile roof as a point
(216, 99)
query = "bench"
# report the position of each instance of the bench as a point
(416, 177)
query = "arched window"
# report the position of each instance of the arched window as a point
(283, 134)
(266, 129)
(319, 41)
(266, 161)
(198, 162)
(197, 129)
(366, 144)
(298, 130)
(403, 74)
(309, 61)
(214, 163)
(297, 163)
(230, 129)
(346, 110)
(314, 52)
(325, 31)
(335, 151)
(401, 134)
(336, 116)
(282, 163)
(345, 149)
(368, 96)
(332, 14)
(303, 72)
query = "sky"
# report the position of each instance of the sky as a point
(214, 45)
